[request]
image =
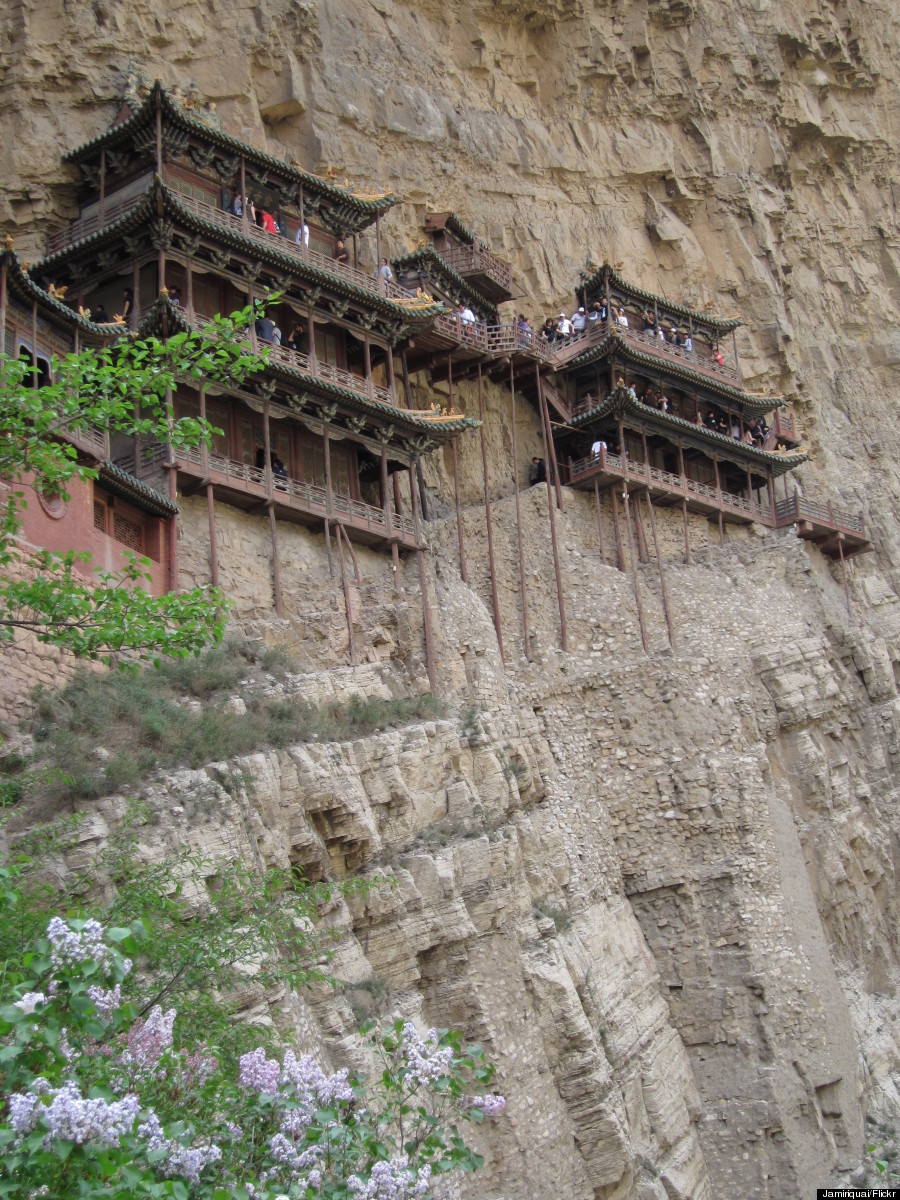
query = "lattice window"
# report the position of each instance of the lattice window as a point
(100, 516)
(129, 533)
(9, 342)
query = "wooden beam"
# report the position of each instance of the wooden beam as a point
(684, 507)
(620, 553)
(599, 522)
(634, 579)
(101, 206)
(662, 574)
(348, 604)
(423, 585)
(548, 449)
(515, 470)
(487, 516)
(407, 390)
(329, 499)
(459, 521)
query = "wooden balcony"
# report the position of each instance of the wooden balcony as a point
(318, 369)
(782, 430)
(482, 266)
(836, 533)
(608, 469)
(246, 487)
(84, 226)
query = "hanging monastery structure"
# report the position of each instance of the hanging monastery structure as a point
(327, 436)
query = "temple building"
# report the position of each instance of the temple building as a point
(179, 222)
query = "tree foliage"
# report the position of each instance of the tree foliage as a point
(123, 388)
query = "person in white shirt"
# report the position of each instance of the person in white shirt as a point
(688, 344)
(579, 320)
(564, 326)
(302, 234)
(598, 447)
(466, 315)
(621, 319)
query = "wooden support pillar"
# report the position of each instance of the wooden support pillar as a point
(348, 601)
(643, 549)
(392, 380)
(407, 389)
(210, 505)
(135, 315)
(459, 522)
(398, 506)
(273, 530)
(599, 522)
(343, 529)
(840, 542)
(548, 450)
(770, 488)
(189, 290)
(620, 553)
(515, 470)
(356, 252)
(313, 361)
(608, 304)
(303, 246)
(487, 516)
(101, 206)
(737, 365)
(173, 493)
(245, 216)
(423, 584)
(422, 497)
(684, 507)
(634, 579)
(329, 498)
(662, 575)
(551, 448)
(3, 308)
(34, 348)
(719, 501)
(377, 240)
(367, 358)
(159, 148)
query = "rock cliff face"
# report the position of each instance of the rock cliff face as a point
(661, 887)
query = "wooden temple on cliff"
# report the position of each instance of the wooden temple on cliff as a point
(645, 401)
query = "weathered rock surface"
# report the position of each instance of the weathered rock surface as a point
(661, 888)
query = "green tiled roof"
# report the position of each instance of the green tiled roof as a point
(410, 423)
(622, 400)
(750, 403)
(594, 287)
(145, 209)
(427, 259)
(23, 286)
(128, 487)
(175, 114)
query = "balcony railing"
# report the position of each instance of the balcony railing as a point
(306, 365)
(477, 259)
(84, 226)
(798, 508)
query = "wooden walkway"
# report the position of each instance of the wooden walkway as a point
(836, 533)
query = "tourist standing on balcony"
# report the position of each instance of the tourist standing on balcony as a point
(301, 237)
(100, 316)
(297, 340)
(649, 321)
(128, 306)
(579, 320)
(548, 330)
(563, 327)
(341, 253)
(384, 274)
(597, 314)
(466, 316)
(621, 318)
(719, 357)
(265, 329)
(251, 208)
(687, 343)
(597, 448)
(237, 207)
(268, 223)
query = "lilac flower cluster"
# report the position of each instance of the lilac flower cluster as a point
(71, 1116)
(29, 1002)
(186, 1161)
(393, 1180)
(70, 946)
(426, 1060)
(106, 1000)
(491, 1106)
(257, 1073)
(148, 1040)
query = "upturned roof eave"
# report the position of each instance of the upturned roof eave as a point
(430, 256)
(624, 401)
(720, 324)
(323, 388)
(312, 274)
(753, 404)
(146, 113)
(19, 281)
(131, 488)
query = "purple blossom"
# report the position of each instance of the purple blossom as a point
(69, 946)
(426, 1060)
(106, 1000)
(392, 1180)
(29, 1002)
(148, 1040)
(258, 1073)
(189, 1161)
(71, 1116)
(491, 1106)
